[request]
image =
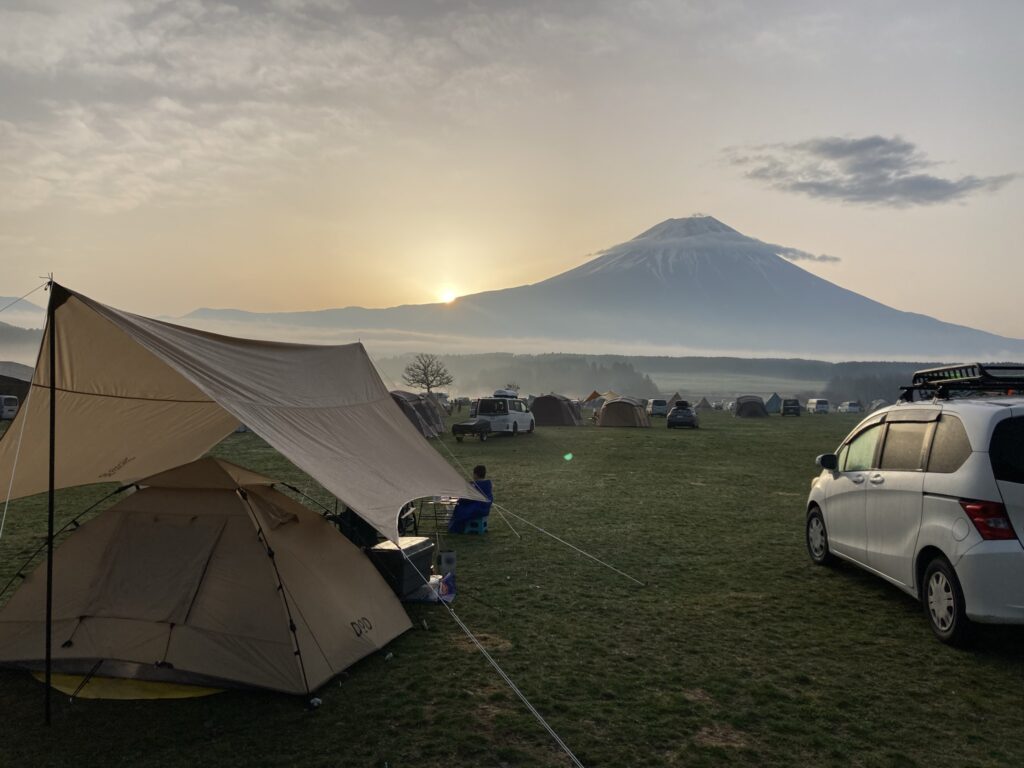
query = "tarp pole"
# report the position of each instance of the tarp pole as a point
(51, 316)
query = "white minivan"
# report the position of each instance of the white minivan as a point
(8, 406)
(817, 405)
(929, 495)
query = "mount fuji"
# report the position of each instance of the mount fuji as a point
(685, 286)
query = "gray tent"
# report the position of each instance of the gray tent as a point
(623, 412)
(749, 407)
(673, 399)
(555, 411)
(422, 411)
(876, 404)
(174, 584)
(774, 403)
(703, 405)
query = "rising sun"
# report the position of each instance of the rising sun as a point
(448, 295)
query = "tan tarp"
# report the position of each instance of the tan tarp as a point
(174, 583)
(623, 412)
(136, 396)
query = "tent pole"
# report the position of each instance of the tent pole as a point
(51, 315)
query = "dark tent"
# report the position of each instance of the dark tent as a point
(623, 412)
(749, 407)
(774, 403)
(423, 412)
(555, 411)
(12, 386)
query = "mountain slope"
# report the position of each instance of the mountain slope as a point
(692, 284)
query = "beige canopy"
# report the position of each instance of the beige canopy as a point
(174, 583)
(137, 396)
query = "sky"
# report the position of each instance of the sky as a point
(299, 154)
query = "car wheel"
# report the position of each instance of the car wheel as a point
(483, 436)
(817, 539)
(530, 430)
(943, 602)
(515, 428)
(458, 438)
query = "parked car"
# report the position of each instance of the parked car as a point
(8, 406)
(818, 405)
(790, 407)
(682, 415)
(929, 495)
(503, 413)
(657, 407)
(849, 406)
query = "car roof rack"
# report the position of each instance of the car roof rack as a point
(963, 378)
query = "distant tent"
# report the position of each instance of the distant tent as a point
(611, 394)
(422, 411)
(622, 412)
(876, 404)
(774, 403)
(672, 400)
(749, 407)
(594, 395)
(703, 405)
(555, 411)
(174, 584)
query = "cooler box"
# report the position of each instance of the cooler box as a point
(399, 572)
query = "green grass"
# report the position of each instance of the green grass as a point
(737, 652)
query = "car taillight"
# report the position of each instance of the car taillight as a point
(990, 518)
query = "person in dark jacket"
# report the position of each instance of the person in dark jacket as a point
(470, 509)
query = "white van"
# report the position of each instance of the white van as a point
(657, 407)
(817, 405)
(8, 406)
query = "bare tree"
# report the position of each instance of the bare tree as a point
(427, 371)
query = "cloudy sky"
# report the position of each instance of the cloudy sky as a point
(299, 154)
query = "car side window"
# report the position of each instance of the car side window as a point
(904, 446)
(861, 450)
(951, 447)
(1007, 450)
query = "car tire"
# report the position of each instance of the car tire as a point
(816, 538)
(515, 428)
(530, 430)
(483, 436)
(458, 438)
(943, 602)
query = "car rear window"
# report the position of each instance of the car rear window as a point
(951, 447)
(493, 406)
(904, 446)
(1007, 450)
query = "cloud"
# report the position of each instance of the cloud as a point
(795, 254)
(873, 170)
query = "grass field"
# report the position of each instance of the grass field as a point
(736, 652)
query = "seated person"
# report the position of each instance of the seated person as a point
(470, 509)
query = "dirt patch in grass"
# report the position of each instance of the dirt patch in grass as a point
(697, 696)
(719, 735)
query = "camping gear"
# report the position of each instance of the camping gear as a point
(405, 565)
(446, 561)
(623, 412)
(555, 411)
(208, 575)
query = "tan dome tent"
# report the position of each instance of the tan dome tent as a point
(423, 412)
(623, 412)
(174, 583)
(555, 411)
(749, 407)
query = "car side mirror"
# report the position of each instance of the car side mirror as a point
(828, 461)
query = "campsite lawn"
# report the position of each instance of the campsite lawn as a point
(736, 652)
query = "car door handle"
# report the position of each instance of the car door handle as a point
(877, 479)
(857, 479)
